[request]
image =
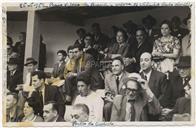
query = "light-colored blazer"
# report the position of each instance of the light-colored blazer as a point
(110, 83)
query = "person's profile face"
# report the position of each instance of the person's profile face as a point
(36, 82)
(28, 110)
(48, 114)
(10, 101)
(87, 41)
(77, 53)
(78, 116)
(60, 57)
(132, 90)
(70, 53)
(117, 67)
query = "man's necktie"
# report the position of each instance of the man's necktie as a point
(145, 77)
(117, 82)
(132, 112)
(41, 97)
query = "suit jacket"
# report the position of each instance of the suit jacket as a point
(142, 108)
(136, 52)
(102, 41)
(86, 66)
(158, 85)
(183, 105)
(60, 119)
(176, 87)
(58, 71)
(111, 86)
(14, 80)
(51, 94)
(116, 49)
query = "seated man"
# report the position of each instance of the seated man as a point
(45, 93)
(114, 84)
(137, 103)
(58, 69)
(13, 111)
(14, 75)
(80, 113)
(90, 98)
(183, 102)
(84, 64)
(51, 112)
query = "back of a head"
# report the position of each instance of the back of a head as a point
(82, 107)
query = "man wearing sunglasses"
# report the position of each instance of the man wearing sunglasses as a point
(137, 104)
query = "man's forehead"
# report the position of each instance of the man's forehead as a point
(48, 107)
(132, 84)
(146, 55)
(75, 49)
(116, 62)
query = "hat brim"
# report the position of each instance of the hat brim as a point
(34, 62)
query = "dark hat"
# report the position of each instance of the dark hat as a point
(30, 60)
(184, 62)
(130, 25)
(13, 61)
(185, 19)
(149, 19)
(176, 19)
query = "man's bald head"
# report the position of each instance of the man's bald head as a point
(146, 61)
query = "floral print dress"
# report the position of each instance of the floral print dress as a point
(165, 45)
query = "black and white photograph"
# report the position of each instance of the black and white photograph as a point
(97, 64)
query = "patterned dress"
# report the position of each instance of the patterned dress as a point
(166, 46)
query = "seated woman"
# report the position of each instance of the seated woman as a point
(165, 49)
(31, 111)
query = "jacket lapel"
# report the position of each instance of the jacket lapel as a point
(114, 85)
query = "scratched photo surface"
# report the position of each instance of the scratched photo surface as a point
(98, 64)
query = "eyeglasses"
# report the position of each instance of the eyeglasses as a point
(132, 90)
(75, 116)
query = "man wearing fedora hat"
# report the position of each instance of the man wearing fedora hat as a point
(137, 104)
(186, 41)
(31, 67)
(179, 78)
(14, 75)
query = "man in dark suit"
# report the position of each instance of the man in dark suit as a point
(179, 79)
(44, 93)
(140, 46)
(51, 113)
(137, 103)
(14, 75)
(102, 41)
(182, 93)
(149, 22)
(58, 69)
(114, 85)
(157, 80)
(84, 65)
(81, 34)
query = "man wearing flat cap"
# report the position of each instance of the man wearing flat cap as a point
(137, 104)
(180, 78)
(14, 75)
